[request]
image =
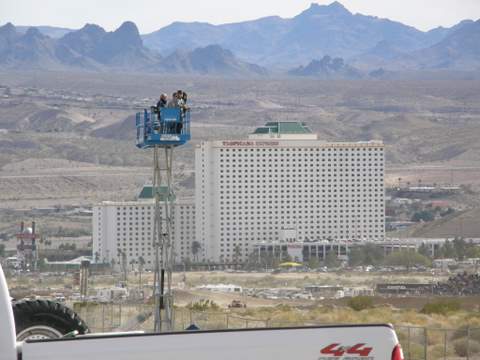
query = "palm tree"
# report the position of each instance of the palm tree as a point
(113, 263)
(141, 263)
(237, 253)
(196, 246)
(122, 260)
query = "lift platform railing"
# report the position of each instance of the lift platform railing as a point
(168, 127)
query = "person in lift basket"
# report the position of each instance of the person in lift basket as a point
(182, 104)
(178, 100)
(162, 103)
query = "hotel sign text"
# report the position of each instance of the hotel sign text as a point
(249, 143)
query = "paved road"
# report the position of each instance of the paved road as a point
(130, 173)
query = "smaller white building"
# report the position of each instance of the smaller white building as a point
(127, 227)
(112, 294)
(221, 288)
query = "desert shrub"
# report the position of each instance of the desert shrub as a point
(67, 232)
(462, 332)
(462, 347)
(287, 318)
(203, 305)
(438, 351)
(283, 307)
(441, 307)
(475, 334)
(423, 215)
(402, 336)
(407, 258)
(415, 351)
(359, 303)
(248, 312)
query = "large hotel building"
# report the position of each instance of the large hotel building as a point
(282, 184)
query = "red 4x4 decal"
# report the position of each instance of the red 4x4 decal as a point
(339, 350)
(330, 350)
(357, 349)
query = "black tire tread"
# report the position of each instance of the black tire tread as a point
(48, 313)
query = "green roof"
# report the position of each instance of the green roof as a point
(262, 130)
(283, 128)
(148, 193)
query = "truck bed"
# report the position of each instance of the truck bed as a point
(306, 343)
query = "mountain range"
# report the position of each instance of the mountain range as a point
(285, 43)
(92, 48)
(299, 46)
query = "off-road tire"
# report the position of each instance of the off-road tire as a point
(43, 319)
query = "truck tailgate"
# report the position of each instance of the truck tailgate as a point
(307, 343)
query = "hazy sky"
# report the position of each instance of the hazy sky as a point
(150, 15)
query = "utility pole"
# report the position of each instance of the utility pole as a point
(84, 279)
(123, 265)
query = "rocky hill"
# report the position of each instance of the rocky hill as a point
(212, 59)
(94, 49)
(52, 31)
(327, 68)
(122, 48)
(460, 50)
(463, 223)
(89, 48)
(26, 51)
(121, 130)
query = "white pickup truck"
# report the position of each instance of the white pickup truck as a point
(342, 342)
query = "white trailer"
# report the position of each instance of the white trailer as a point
(340, 342)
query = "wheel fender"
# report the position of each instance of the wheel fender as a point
(7, 324)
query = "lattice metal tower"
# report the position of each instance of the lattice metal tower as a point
(163, 131)
(27, 247)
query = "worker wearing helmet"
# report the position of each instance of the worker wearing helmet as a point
(162, 102)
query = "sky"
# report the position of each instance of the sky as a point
(150, 15)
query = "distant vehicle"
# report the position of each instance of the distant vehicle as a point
(12, 262)
(42, 325)
(60, 298)
(237, 304)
